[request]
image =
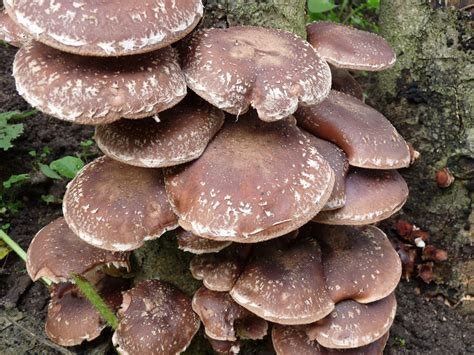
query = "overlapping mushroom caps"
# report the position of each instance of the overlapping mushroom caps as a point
(117, 207)
(255, 181)
(10, 32)
(344, 82)
(235, 68)
(197, 245)
(111, 28)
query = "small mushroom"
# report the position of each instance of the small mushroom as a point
(225, 347)
(117, 207)
(352, 325)
(290, 340)
(197, 245)
(57, 253)
(366, 136)
(224, 319)
(106, 28)
(97, 90)
(269, 69)
(285, 285)
(344, 82)
(347, 47)
(181, 136)
(371, 196)
(155, 318)
(255, 181)
(10, 32)
(219, 271)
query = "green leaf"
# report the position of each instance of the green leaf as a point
(9, 132)
(46, 170)
(49, 199)
(373, 4)
(15, 180)
(319, 6)
(87, 143)
(4, 250)
(16, 115)
(67, 166)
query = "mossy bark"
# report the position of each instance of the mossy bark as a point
(429, 97)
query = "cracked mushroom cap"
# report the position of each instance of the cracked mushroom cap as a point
(180, 136)
(224, 319)
(117, 207)
(255, 181)
(366, 136)
(56, 253)
(371, 196)
(72, 318)
(155, 318)
(344, 82)
(285, 286)
(197, 245)
(219, 271)
(10, 32)
(97, 90)
(271, 70)
(106, 28)
(359, 263)
(352, 325)
(347, 47)
(290, 340)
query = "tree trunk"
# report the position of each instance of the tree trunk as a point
(429, 97)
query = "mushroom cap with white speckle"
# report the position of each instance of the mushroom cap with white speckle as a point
(106, 28)
(56, 253)
(359, 263)
(224, 319)
(371, 196)
(352, 324)
(285, 285)
(271, 70)
(366, 136)
(10, 32)
(255, 181)
(117, 207)
(219, 271)
(224, 347)
(156, 318)
(344, 82)
(181, 135)
(348, 47)
(290, 340)
(98, 90)
(193, 244)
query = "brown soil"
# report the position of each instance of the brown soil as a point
(422, 326)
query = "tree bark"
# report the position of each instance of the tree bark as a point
(429, 97)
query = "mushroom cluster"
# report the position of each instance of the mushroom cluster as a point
(272, 170)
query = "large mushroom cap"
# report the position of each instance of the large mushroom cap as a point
(268, 69)
(155, 318)
(285, 286)
(366, 136)
(359, 263)
(181, 136)
(255, 181)
(352, 325)
(371, 196)
(347, 47)
(115, 206)
(344, 82)
(56, 253)
(106, 28)
(10, 32)
(97, 90)
(290, 340)
(197, 245)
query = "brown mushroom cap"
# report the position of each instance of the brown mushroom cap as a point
(285, 286)
(366, 136)
(117, 207)
(223, 318)
(224, 347)
(359, 263)
(106, 28)
(197, 245)
(268, 69)
(344, 82)
(352, 325)
(219, 271)
(155, 318)
(371, 196)
(255, 181)
(290, 340)
(98, 90)
(347, 47)
(56, 253)
(181, 136)
(72, 318)
(10, 32)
